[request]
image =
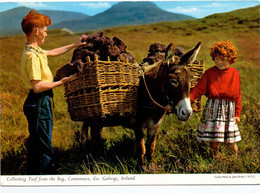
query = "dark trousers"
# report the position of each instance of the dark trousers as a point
(38, 111)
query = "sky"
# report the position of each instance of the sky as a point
(197, 9)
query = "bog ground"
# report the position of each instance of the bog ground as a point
(177, 150)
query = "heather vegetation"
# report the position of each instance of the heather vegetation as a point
(177, 150)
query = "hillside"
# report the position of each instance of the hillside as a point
(123, 13)
(238, 20)
(10, 21)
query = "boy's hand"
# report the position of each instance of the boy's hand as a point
(79, 41)
(69, 78)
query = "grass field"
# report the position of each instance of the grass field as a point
(177, 150)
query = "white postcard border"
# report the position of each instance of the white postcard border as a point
(136, 179)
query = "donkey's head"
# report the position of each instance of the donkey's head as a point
(178, 79)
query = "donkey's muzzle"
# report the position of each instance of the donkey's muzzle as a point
(184, 114)
(183, 109)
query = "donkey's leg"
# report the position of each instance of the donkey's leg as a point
(140, 145)
(85, 129)
(96, 133)
(152, 133)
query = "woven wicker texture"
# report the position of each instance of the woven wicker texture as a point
(197, 70)
(109, 88)
(103, 88)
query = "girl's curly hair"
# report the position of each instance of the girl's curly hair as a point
(34, 19)
(224, 49)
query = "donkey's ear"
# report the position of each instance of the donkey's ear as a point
(190, 56)
(169, 54)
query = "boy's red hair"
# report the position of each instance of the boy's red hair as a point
(224, 49)
(34, 19)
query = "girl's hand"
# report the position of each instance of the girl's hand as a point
(79, 41)
(69, 78)
(237, 119)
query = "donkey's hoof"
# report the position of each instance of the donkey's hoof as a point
(144, 168)
(153, 168)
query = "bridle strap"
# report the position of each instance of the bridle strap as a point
(167, 107)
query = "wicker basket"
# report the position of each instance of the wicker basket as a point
(109, 89)
(104, 88)
(197, 70)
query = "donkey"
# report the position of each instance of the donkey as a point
(164, 86)
(169, 85)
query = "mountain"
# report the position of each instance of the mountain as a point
(10, 21)
(123, 13)
(240, 20)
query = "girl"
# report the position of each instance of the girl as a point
(38, 79)
(221, 84)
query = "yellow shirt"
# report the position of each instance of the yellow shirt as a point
(34, 66)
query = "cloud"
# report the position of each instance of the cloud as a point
(96, 5)
(199, 9)
(183, 9)
(196, 8)
(213, 5)
(32, 4)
